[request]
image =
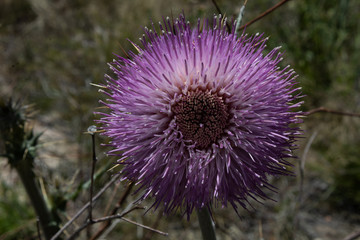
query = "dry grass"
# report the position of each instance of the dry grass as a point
(52, 50)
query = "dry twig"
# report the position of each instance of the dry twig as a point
(253, 20)
(219, 11)
(92, 130)
(264, 13)
(107, 218)
(322, 109)
(38, 228)
(113, 212)
(114, 179)
(353, 236)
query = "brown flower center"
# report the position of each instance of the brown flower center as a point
(201, 117)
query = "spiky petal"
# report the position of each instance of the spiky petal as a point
(201, 115)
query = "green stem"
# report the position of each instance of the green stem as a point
(206, 224)
(27, 177)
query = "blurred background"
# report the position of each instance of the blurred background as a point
(51, 50)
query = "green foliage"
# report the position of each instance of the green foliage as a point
(321, 40)
(18, 143)
(23, 10)
(346, 184)
(54, 49)
(17, 218)
(320, 43)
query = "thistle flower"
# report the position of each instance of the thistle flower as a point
(201, 116)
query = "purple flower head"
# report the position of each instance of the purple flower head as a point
(201, 116)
